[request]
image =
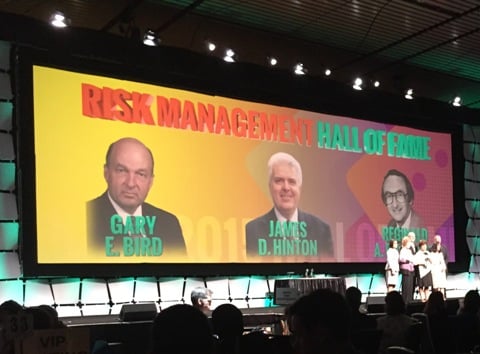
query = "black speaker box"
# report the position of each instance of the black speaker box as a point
(376, 304)
(138, 312)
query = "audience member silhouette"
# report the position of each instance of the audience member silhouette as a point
(228, 325)
(395, 324)
(181, 329)
(467, 323)
(42, 317)
(227, 322)
(359, 320)
(320, 323)
(436, 311)
(7, 308)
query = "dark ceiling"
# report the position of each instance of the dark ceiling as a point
(432, 46)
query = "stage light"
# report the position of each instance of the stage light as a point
(59, 20)
(211, 46)
(328, 72)
(150, 38)
(409, 94)
(299, 69)
(357, 84)
(229, 56)
(457, 101)
(272, 61)
(376, 83)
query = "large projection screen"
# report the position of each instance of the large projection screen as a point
(210, 175)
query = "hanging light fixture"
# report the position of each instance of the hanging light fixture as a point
(58, 19)
(409, 94)
(229, 56)
(150, 38)
(457, 101)
(299, 69)
(357, 84)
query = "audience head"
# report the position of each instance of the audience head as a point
(394, 304)
(10, 307)
(319, 322)
(435, 304)
(181, 329)
(353, 296)
(41, 318)
(471, 302)
(227, 321)
(201, 299)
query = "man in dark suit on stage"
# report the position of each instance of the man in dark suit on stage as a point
(119, 222)
(285, 230)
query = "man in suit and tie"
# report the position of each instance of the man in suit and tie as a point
(286, 230)
(120, 222)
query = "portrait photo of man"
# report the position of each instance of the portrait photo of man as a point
(398, 196)
(120, 222)
(286, 230)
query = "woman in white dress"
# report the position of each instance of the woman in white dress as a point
(439, 270)
(392, 267)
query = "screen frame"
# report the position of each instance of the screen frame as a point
(172, 68)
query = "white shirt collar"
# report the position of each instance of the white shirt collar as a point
(280, 217)
(123, 213)
(406, 224)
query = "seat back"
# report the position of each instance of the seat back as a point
(367, 340)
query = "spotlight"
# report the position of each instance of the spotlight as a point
(299, 69)
(150, 38)
(59, 20)
(409, 94)
(229, 56)
(376, 83)
(272, 61)
(357, 84)
(457, 101)
(211, 46)
(328, 72)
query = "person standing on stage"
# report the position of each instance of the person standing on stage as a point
(437, 244)
(406, 260)
(414, 248)
(424, 265)
(392, 268)
(439, 271)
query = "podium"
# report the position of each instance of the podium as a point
(304, 286)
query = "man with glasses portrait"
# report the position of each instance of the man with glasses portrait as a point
(398, 196)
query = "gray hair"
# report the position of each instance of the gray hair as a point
(280, 157)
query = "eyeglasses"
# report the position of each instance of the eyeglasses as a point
(400, 197)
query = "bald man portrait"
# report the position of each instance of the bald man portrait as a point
(120, 222)
(286, 230)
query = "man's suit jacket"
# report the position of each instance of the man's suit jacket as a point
(416, 221)
(316, 230)
(100, 211)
